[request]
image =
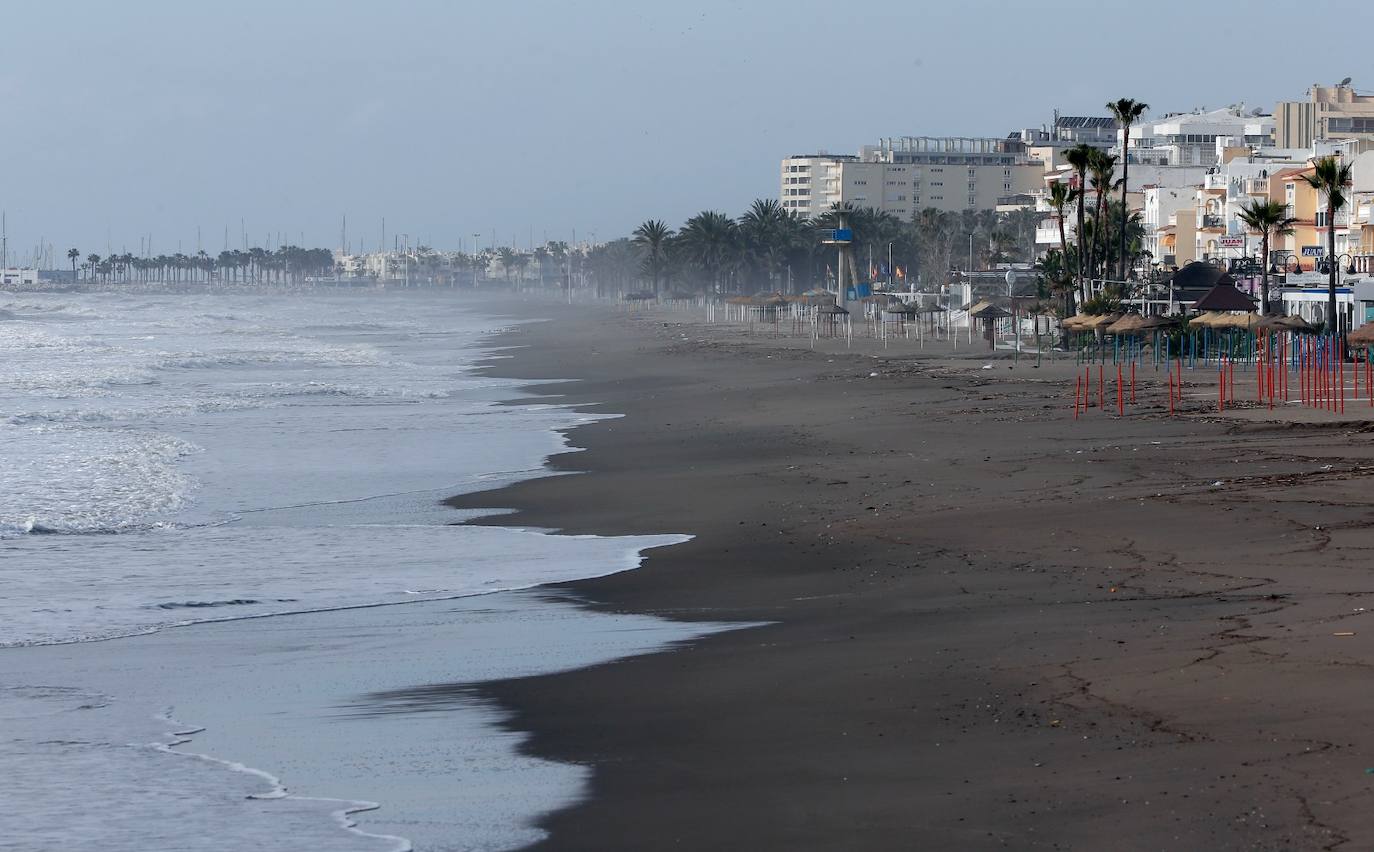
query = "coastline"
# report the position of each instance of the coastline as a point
(986, 627)
(295, 719)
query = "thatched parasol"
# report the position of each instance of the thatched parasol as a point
(769, 300)
(1128, 324)
(1244, 322)
(1207, 320)
(988, 311)
(1362, 336)
(1296, 324)
(1158, 321)
(1101, 320)
(815, 297)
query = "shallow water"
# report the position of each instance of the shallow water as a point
(180, 459)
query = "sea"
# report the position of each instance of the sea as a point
(212, 496)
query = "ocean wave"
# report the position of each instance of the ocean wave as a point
(74, 480)
(214, 604)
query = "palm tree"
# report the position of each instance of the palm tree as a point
(652, 238)
(1126, 112)
(506, 255)
(1080, 157)
(1330, 176)
(1103, 168)
(1270, 218)
(1062, 195)
(708, 240)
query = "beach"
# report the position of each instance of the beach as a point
(790, 594)
(990, 625)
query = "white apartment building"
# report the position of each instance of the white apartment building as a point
(1158, 219)
(1196, 138)
(18, 277)
(905, 175)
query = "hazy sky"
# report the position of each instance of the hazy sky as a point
(122, 119)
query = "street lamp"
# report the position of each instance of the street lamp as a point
(475, 238)
(1325, 267)
(1279, 264)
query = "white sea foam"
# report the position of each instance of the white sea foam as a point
(172, 460)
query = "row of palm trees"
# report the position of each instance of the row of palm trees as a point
(1106, 241)
(770, 247)
(286, 264)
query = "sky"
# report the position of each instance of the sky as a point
(145, 122)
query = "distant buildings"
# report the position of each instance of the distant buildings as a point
(1196, 138)
(903, 175)
(1330, 113)
(1191, 173)
(18, 277)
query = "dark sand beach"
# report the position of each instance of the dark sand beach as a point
(993, 626)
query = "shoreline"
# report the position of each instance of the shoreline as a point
(978, 636)
(277, 693)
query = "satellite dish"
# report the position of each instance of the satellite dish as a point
(1345, 82)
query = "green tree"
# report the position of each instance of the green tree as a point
(1269, 218)
(1080, 157)
(1330, 177)
(709, 240)
(652, 238)
(1127, 112)
(1103, 168)
(1062, 195)
(506, 256)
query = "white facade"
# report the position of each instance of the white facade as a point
(1195, 139)
(1161, 205)
(18, 277)
(905, 176)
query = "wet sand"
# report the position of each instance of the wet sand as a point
(993, 626)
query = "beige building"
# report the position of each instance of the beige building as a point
(909, 174)
(1329, 113)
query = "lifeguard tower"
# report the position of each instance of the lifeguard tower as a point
(845, 269)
